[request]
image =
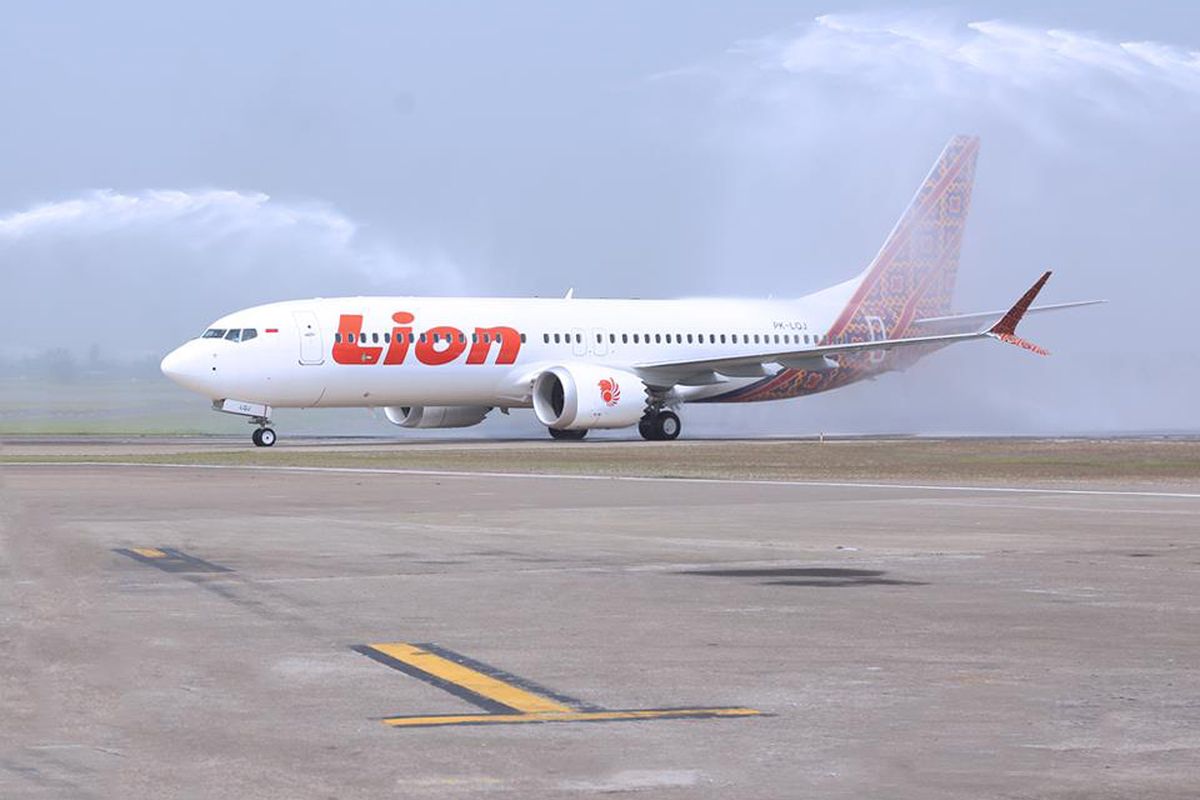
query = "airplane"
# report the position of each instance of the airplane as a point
(447, 362)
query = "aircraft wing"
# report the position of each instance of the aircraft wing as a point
(716, 370)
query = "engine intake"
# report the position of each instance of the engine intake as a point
(581, 396)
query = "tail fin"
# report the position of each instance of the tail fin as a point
(913, 275)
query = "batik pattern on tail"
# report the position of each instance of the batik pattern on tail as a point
(912, 277)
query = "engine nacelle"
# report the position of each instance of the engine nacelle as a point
(579, 396)
(435, 416)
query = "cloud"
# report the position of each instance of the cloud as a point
(873, 49)
(220, 212)
(167, 261)
(1029, 75)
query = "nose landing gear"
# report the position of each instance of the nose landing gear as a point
(263, 437)
(259, 415)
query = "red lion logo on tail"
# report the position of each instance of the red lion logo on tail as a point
(610, 391)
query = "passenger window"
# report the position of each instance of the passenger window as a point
(350, 338)
(248, 334)
(689, 338)
(777, 338)
(624, 338)
(375, 338)
(579, 338)
(734, 337)
(722, 338)
(522, 338)
(635, 338)
(612, 338)
(412, 337)
(462, 338)
(387, 338)
(598, 339)
(658, 338)
(337, 337)
(422, 337)
(545, 338)
(557, 339)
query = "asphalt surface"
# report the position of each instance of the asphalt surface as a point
(185, 632)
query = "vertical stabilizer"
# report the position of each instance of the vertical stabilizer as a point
(913, 274)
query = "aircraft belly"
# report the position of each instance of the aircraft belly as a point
(412, 385)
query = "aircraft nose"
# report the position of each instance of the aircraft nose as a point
(185, 366)
(172, 364)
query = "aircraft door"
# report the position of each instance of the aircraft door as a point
(312, 348)
(579, 344)
(599, 342)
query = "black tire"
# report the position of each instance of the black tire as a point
(256, 438)
(265, 437)
(567, 436)
(646, 428)
(667, 426)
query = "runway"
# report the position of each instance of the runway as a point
(266, 632)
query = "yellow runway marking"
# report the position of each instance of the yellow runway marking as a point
(472, 680)
(149, 552)
(169, 560)
(570, 716)
(506, 699)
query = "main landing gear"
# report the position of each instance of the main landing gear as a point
(660, 426)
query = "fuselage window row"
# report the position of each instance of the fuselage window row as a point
(246, 334)
(436, 338)
(681, 338)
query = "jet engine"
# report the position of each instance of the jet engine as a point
(435, 416)
(582, 396)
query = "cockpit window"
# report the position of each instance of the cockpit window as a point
(248, 334)
(213, 333)
(234, 335)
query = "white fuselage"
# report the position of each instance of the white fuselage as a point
(301, 355)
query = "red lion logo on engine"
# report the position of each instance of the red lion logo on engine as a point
(610, 391)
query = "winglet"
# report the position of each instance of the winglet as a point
(1006, 329)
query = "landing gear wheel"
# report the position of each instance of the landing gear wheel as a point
(667, 426)
(661, 427)
(263, 437)
(570, 436)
